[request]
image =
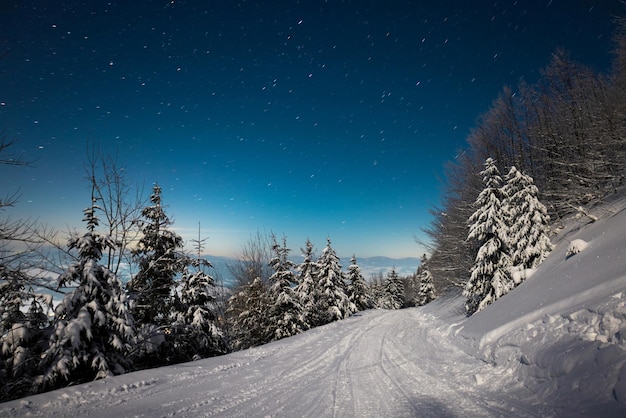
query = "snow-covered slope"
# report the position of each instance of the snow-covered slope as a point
(555, 346)
(566, 282)
(562, 332)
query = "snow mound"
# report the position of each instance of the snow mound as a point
(520, 274)
(575, 247)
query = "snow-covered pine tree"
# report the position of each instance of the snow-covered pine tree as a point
(377, 286)
(93, 328)
(333, 303)
(359, 291)
(285, 315)
(490, 276)
(394, 291)
(412, 284)
(529, 242)
(159, 256)
(247, 311)
(306, 287)
(426, 288)
(23, 319)
(195, 329)
(21, 332)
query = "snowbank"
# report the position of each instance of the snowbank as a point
(561, 284)
(562, 332)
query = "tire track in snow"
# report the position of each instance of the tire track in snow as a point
(380, 384)
(347, 399)
(376, 363)
(449, 373)
(385, 361)
(306, 386)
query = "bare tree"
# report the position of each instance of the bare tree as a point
(121, 204)
(451, 255)
(18, 237)
(253, 261)
(7, 158)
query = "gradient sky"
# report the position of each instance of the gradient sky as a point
(309, 119)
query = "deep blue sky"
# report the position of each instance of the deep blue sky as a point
(309, 119)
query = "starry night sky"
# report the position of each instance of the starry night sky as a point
(308, 119)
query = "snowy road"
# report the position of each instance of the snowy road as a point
(375, 364)
(555, 346)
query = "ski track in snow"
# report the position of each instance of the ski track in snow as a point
(376, 363)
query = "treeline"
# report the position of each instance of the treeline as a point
(133, 298)
(314, 292)
(567, 132)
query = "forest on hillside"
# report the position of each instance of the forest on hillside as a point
(134, 298)
(567, 132)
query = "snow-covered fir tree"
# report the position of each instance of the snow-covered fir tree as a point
(490, 276)
(377, 286)
(285, 314)
(425, 286)
(333, 303)
(194, 324)
(306, 288)
(394, 296)
(529, 242)
(159, 256)
(411, 289)
(359, 291)
(93, 328)
(247, 310)
(22, 322)
(196, 333)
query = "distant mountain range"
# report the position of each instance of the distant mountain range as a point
(370, 266)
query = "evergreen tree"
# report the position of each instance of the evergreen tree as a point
(23, 316)
(306, 288)
(359, 292)
(394, 291)
(247, 312)
(528, 221)
(426, 288)
(333, 303)
(490, 275)
(377, 286)
(285, 316)
(158, 254)
(21, 332)
(93, 327)
(196, 333)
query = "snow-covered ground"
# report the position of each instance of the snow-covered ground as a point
(555, 346)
